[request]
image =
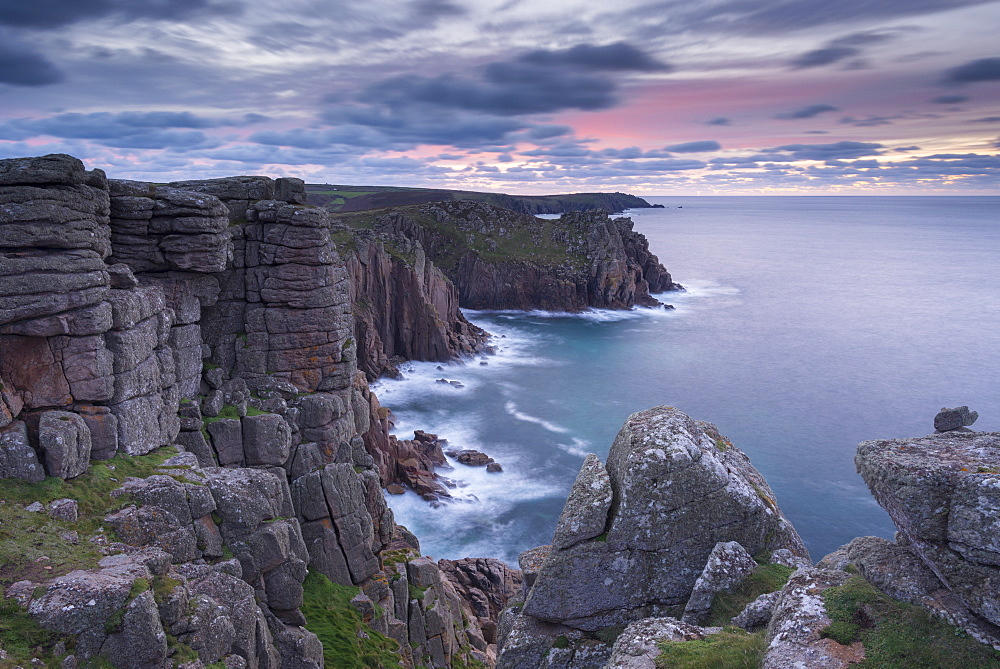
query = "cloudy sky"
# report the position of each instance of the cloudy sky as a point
(522, 96)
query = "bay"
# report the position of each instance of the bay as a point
(808, 325)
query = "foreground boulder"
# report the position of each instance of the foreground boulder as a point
(943, 493)
(677, 489)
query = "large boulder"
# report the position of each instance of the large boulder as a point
(64, 440)
(679, 488)
(17, 458)
(943, 493)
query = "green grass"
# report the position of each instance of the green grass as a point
(729, 603)
(330, 616)
(22, 637)
(732, 648)
(897, 635)
(27, 539)
(525, 239)
(416, 592)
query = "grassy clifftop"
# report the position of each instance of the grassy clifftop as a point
(345, 198)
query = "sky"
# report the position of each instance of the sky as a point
(652, 97)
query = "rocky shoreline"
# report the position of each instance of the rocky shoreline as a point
(194, 465)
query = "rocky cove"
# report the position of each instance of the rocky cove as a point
(189, 363)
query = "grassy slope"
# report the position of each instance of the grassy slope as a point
(34, 546)
(453, 243)
(361, 198)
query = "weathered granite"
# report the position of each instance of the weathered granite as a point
(679, 489)
(728, 565)
(793, 634)
(943, 493)
(585, 515)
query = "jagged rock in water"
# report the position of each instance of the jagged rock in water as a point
(943, 493)
(799, 617)
(679, 489)
(954, 419)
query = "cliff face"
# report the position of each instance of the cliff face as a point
(405, 310)
(215, 317)
(499, 259)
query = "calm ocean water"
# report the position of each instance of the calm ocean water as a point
(809, 324)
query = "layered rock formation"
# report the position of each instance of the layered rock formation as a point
(499, 259)
(214, 316)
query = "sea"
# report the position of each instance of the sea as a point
(807, 325)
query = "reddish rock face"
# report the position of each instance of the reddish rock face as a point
(404, 310)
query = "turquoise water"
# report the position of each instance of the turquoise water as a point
(809, 324)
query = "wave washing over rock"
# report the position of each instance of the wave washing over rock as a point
(195, 463)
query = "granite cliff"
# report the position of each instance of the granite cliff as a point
(499, 259)
(199, 338)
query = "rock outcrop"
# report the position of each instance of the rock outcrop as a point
(676, 490)
(943, 493)
(216, 317)
(635, 537)
(499, 259)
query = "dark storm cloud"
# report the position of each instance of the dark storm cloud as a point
(833, 151)
(618, 56)
(848, 46)
(507, 89)
(984, 69)
(559, 150)
(825, 56)
(46, 14)
(720, 120)
(693, 147)
(400, 129)
(869, 121)
(537, 82)
(540, 132)
(141, 130)
(949, 99)
(21, 66)
(807, 112)
(986, 119)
